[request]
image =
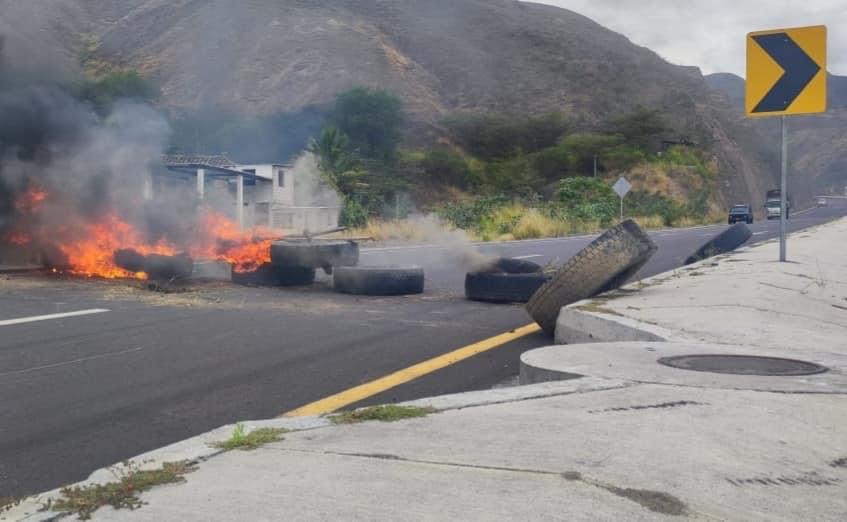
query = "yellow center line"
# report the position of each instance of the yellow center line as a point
(369, 389)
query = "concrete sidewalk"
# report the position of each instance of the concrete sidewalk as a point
(631, 440)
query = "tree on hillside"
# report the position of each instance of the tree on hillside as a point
(104, 91)
(372, 120)
(640, 127)
(339, 167)
(498, 136)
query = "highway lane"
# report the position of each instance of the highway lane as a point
(81, 392)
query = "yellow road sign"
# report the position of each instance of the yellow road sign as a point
(786, 71)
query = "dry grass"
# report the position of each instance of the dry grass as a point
(650, 222)
(397, 230)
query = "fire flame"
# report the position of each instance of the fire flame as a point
(89, 248)
(30, 201)
(17, 238)
(93, 255)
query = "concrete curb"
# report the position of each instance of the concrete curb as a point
(198, 448)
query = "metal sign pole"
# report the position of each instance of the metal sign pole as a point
(621, 208)
(784, 192)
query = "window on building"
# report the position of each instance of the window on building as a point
(280, 178)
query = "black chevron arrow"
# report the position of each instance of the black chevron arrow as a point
(798, 67)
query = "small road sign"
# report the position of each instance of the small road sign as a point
(786, 71)
(622, 187)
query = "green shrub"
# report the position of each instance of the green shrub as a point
(582, 148)
(104, 91)
(371, 118)
(353, 214)
(585, 199)
(516, 177)
(468, 215)
(447, 168)
(639, 127)
(498, 136)
(644, 203)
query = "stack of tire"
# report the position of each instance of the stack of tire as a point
(294, 261)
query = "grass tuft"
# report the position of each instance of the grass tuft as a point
(385, 413)
(83, 501)
(242, 440)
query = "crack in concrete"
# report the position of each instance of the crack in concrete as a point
(656, 501)
(762, 310)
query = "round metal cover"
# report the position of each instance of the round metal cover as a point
(743, 365)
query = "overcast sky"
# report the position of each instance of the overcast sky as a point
(711, 33)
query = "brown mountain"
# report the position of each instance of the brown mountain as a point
(439, 56)
(817, 145)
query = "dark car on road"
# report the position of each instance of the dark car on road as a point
(740, 213)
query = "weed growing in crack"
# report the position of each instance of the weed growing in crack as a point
(242, 440)
(386, 413)
(123, 493)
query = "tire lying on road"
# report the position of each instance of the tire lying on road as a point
(378, 280)
(727, 241)
(603, 265)
(314, 253)
(160, 267)
(493, 287)
(270, 275)
(505, 280)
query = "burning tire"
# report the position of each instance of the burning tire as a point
(160, 267)
(157, 267)
(505, 280)
(603, 265)
(370, 280)
(727, 241)
(314, 253)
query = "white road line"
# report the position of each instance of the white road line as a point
(528, 257)
(759, 233)
(34, 318)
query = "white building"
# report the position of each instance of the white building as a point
(277, 196)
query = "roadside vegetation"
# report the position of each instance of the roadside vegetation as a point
(385, 413)
(496, 176)
(122, 493)
(242, 440)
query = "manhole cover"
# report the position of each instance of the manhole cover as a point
(743, 365)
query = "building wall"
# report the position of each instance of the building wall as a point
(273, 204)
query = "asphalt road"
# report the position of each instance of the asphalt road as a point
(78, 393)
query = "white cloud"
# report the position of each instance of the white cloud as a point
(711, 34)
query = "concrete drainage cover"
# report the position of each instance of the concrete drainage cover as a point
(743, 365)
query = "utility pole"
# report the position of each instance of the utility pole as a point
(784, 192)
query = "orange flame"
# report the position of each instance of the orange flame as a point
(93, 255)
(221, 239)
(30, 201)
(17, 238)
(89, 247)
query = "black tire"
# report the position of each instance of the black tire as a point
(608, 261)
(378, 280)
(163, 268)
(727, 241)
(509, 265)
(314, 253)
(749, 221)
(129, 259)
(503, 288)
(269, 275)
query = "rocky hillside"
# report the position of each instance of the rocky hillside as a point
(439, 56)
(817, 144)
